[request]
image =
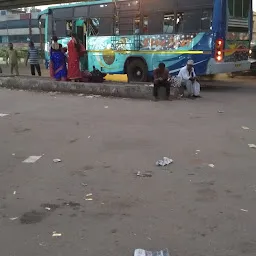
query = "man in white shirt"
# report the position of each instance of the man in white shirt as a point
(189, 80)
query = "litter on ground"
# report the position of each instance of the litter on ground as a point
(220, 111)
(14, 192)
(92, 96)
(14, 218)
(144, 175)
(252, 145)
(31, 159)
(88, 197)
(243, 210)
(164, 162)
(3, 115)
(211, 165)
(55, 234)
(245, 128)
(47, 208)
(56, 160)
(105, 106)
(141, 252)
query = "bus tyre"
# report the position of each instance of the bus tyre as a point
(137, 71)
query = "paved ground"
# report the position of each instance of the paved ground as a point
(188, 207)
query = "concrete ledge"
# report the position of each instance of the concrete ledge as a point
(140, 91)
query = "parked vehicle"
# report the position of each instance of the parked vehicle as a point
(133, 37)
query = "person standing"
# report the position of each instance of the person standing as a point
(161, 75)
(12, 57)
(33, 58)
(58, 67)
(189, 79)
(75, 51)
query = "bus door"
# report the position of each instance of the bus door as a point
(81, 32)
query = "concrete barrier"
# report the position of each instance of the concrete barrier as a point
(124, 90)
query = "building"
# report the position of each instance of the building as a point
(18, 27)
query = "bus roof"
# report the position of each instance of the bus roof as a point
(75, 5)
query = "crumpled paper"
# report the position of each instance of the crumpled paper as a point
(164, 162)
(141, 252)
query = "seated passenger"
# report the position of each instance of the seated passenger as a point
(161, 75)
(189, 79)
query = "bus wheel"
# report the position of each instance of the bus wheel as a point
(137, 71)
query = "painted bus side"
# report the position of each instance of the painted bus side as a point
(137, 54)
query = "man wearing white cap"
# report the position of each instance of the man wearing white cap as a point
(189, 80)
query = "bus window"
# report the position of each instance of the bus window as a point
(105, 27)
(169, 23)
(231, 7)
(179, 22)
(69, 27)
(102, 10)
(126, 25)
(246, 8)
(59, 28)
(206, 20)
(63, 28)
(93, 26)
(136, 29)
(189, 21)
(145, 25)
(81, 11)
(155, 23)
(239, 8)
(50, 30)
(100, 26)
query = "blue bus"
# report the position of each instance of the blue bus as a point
(133, 36)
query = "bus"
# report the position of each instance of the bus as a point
(133, 36)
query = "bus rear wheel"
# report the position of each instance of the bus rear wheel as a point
(137, 71)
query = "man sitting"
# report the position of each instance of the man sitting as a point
(189, 80)
(161, 75)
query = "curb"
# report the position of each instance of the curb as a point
(137, 91)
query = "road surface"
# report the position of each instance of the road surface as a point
(92, 202)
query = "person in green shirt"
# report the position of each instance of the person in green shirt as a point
(12, 57)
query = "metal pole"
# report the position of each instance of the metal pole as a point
(30, 29)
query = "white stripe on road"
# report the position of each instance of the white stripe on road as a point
(31, 159)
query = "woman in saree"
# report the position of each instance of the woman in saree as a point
(58, 66)
(75, 51)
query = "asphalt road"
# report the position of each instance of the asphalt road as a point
(187, 207)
